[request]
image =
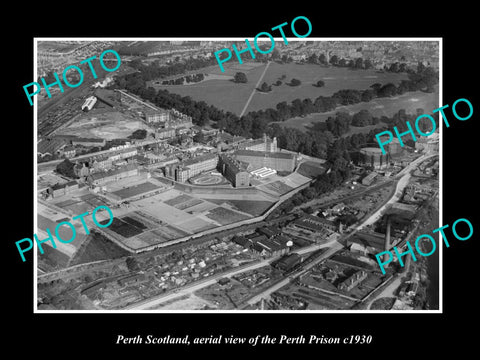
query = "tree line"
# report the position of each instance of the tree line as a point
(255, 123)
(193, 78)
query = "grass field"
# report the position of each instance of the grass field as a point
(378, 107)
(310, 169)
(252, 207)
(229, 96)
(95, 248)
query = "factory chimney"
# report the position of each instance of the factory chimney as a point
(387, 238)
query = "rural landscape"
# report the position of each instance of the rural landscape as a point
(258, 188)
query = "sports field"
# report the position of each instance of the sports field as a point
(225, 94)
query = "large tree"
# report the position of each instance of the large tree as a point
(65, 168)
(240, 77)
(295, 82)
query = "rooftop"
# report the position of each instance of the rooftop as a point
(277, 155)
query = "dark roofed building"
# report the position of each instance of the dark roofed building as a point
(50, 146)
(242, 241)
(315, 223)
(269, 231)
(288, 262)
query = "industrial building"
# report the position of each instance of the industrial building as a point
(272, 160)
(264, 246)
(371, 242)
(288, 262)
(50, 146)
(353, 280)
(371, 156)
(367, 180)
(315, 223)
(234, 170)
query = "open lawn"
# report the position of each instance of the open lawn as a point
(226, 95)
(252, 207)
(378, 107)
(310, 169)
(97, 247)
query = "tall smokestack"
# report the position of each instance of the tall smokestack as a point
(387, 238)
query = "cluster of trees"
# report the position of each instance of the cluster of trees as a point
(155, 71)
(364, 118)
(295, 82)
(65, 168)
(139, 134)
(265, 87)
(194, 78)
(396, 67)
(240, 77)
(335, 60)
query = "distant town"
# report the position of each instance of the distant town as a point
(258, 188)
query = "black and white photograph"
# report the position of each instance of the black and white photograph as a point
(255, 183)
(187, 180)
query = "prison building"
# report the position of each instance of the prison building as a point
(194, 166)
(263, 144)
(234, 170)
(272, 160)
